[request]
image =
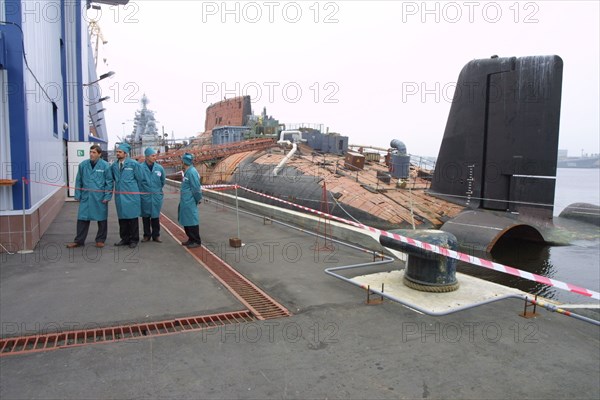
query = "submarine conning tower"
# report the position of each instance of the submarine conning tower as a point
(500, 145)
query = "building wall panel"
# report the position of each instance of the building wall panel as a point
(43, 89)
(6, 202)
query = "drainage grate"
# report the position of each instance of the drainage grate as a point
(53, 341)
(261, 304)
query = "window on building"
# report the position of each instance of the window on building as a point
(55, 119)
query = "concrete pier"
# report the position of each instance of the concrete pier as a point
(332, 346)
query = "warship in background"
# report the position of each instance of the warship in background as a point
(494, 178)
(145, 132)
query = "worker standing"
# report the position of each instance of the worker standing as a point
(152, 195)
(127, 177)
(190, 196)
(93, 191)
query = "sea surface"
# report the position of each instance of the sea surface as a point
(577, 264)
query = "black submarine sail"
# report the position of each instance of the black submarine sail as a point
(500, 147)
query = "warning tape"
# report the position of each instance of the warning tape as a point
(219, 187)
(212, 187)
(413, 242)
(445, 252)
(95, 190)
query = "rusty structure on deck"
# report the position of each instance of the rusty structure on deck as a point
(376, 186)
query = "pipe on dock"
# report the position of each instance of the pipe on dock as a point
(288, 155)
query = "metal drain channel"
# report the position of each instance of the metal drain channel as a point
(258, 302)
(54, 341)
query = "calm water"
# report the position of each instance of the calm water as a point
(578, 264)
(575, 185)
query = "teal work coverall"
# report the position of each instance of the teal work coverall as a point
(127, 197)
(152, 183)
(98, 183)
(190, 196)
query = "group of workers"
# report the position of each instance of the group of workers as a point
(138, 190)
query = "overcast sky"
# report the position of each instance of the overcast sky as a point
(370, 70)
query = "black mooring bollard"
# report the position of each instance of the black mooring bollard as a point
(426, 270)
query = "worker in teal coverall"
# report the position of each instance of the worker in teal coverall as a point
(152, 195)
(93, 191)
(127, 177)
(190, 196)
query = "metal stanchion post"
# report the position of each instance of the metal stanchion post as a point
(237, 211)
(236, 242)
(24, 251)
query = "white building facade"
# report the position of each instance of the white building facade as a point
(49, 97)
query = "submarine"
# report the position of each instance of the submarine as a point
(494, 177)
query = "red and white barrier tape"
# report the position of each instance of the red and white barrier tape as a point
(213, 187)
(421, 245)
(445, 252)
(94, 190)
(219, 187)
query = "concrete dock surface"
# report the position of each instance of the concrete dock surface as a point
(333, 345)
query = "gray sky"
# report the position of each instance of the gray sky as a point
(370, 70)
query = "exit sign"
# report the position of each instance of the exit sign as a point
(80, 153)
